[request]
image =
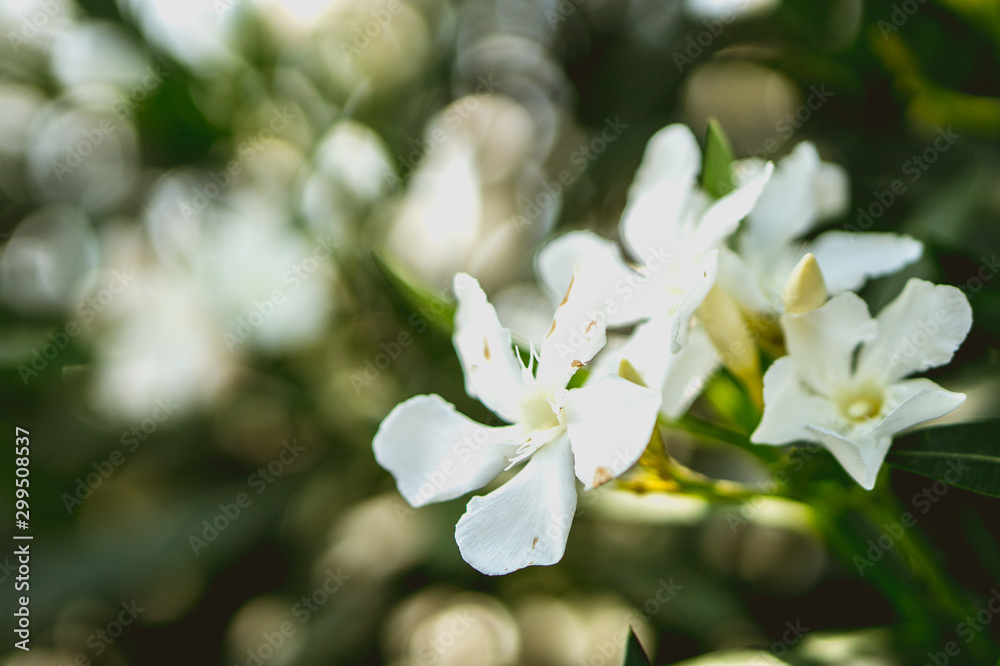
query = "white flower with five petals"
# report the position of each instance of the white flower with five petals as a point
(673, 231)
(593, 433)
(843, 383)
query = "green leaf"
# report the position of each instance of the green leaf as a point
(438, 311)
(966, 455)
(716, 177)
(634, 654)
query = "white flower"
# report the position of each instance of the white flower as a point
(851, 400)
(598, 432)
(802, 193)
(674, 230)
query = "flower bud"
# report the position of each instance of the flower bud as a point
(805, 289)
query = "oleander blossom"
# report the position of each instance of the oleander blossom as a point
(843, 383)
(672, 231)
(593, 433)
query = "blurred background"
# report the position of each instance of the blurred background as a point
(214, 216)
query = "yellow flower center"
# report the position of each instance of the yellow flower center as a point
(861, 403)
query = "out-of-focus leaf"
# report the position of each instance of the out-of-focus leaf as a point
(965, 455)
(715, 176)
(634, 654)
(438, 311)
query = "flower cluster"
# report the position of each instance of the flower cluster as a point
(688, 290)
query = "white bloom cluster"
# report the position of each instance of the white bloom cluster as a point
(691, 282)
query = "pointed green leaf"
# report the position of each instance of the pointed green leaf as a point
(966, 455)
(634, 654)
(716, 176)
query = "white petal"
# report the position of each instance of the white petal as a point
(861, 459)
(790, 410)
(740, 280)
(578, 332)
(609, 424)
(917, 400)
(921, 329)
(681, 376)
(526, 310)
(822, 342)
(687, 372)
(662, 189)
(526, 521)
(788, 206)
(861, 449)
(694, 289)
(619, 283)
(724, 215)
(493, 373)
(435, 453)
(848, 260)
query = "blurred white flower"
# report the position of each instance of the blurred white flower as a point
(83, 157)
(161, 345)
(802, 193)
(729, 10)
(195, 32)
(96, 53)
(842, 384)
(45, 265)
(265, 283)
(351, 169)
(598, 432)
(475, 201)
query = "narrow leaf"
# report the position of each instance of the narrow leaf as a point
(966, 455)
(440, 312)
